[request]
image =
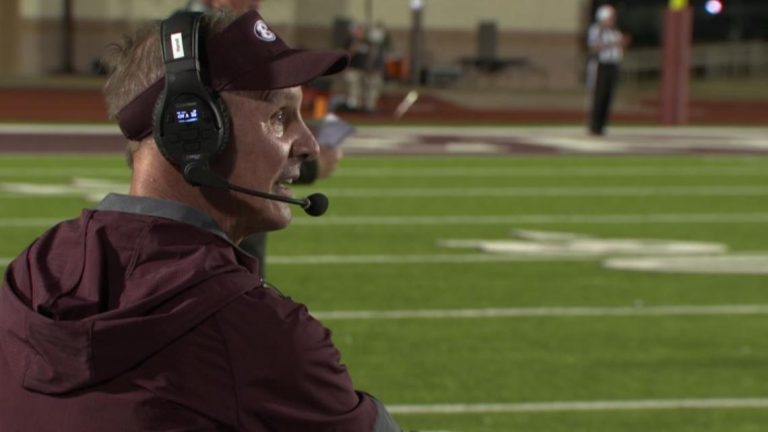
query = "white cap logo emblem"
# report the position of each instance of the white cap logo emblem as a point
(263, 32)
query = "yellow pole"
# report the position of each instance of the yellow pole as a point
(677, 5)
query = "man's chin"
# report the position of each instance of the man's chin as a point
(280, 219)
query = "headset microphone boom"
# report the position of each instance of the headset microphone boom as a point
(200, 175)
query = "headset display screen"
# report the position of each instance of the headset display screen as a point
(187, 116)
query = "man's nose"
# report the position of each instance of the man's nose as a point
(305, 146)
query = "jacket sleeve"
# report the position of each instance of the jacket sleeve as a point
(287, 373)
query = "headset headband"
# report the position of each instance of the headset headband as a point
(190, 121)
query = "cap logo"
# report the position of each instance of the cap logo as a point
(262, 31)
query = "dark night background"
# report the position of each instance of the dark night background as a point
(739, 20)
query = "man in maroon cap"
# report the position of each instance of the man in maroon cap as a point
(143, 314)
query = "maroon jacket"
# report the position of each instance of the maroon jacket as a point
(142, 316)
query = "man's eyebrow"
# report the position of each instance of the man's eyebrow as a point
(284, 96)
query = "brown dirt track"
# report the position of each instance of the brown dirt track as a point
(52, 105)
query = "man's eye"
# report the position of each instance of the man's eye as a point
(280, 117)
(279, 121)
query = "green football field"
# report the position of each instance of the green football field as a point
(454, 335)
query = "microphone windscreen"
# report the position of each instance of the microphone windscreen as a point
(318, 204)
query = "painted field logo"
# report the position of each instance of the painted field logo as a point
(649, 255)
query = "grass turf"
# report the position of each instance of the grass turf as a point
(509, 360)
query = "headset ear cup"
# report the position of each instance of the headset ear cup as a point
(157, 125)
(226, 124)
(174, 152)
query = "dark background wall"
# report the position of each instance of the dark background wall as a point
(739, 20)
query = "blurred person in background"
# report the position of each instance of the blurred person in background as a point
(359, 49)
(367, 48)
(142, 314)
(606, 50)
(379, 43)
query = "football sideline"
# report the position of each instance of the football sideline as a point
(499, 341)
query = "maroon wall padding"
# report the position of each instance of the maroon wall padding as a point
(676, 66)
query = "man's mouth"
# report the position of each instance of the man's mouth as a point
(283, 185)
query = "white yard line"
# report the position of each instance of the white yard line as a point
(402, 259)
(621, 131)
(512, 171)
(596, 171)
(547, 312)
(25, 190)
(579, 406)
(59, 129)
(545, 219)
(742, 263)
(414, 259)
(65, 172)
(541, 219)
(28, 222)
(545, 192)
(727, 131)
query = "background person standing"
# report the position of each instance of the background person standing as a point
(606, 48)
(379, 43)
(359, 49)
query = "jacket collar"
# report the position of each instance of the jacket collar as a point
(161, 208)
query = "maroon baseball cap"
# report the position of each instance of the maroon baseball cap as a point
(246, 55)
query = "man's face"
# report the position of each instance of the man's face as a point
(610, 20)
(268, 143)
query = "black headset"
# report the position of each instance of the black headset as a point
(191, 122)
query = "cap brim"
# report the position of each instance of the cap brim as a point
(292, 68)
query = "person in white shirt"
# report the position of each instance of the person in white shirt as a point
(606, 48)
